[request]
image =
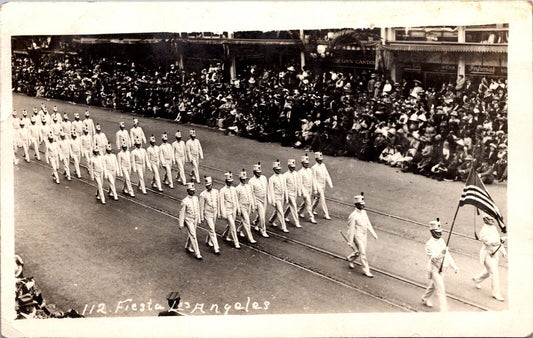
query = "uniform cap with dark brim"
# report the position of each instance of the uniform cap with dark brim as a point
(190, 186)
(229, 176)
(257, 167)
(242, 174)
(359, 199)
(435, 225)
(276, 164)
(178, 134)
(304, 158)
(208, 180)
(137, 140)
(291, 162)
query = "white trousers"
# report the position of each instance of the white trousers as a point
(245, 222)
(192, 241)
(293, 208)
(322, 198)
(491, 270)
(211, 234)
(155, 171)
(278, 212)
(180, 163)
(436, 286)
(307, 204)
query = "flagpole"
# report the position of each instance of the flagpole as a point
(449, 236)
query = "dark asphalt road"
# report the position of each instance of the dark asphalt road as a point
(83, 253)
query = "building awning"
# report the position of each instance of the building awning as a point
(218, 41)
(449, 47)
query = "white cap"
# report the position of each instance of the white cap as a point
(291, 162)
(304, 158)
(135, 121)
(178, 134)
(164, 136)
(97, 127)
(435, 225)
(242, 174)
(208, 180)
(360, 199)
(229, 176)
(276, 164)
(152, 138)
(192, 132)
(190, 186)
(257, 167)
(318, 155)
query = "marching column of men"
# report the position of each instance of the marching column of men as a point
(281, 191)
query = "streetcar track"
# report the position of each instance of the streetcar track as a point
(294, 241)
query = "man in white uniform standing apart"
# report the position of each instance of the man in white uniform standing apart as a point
(180, 156)
(190, 217)
(194, 153)
(259, 186)
(489, 256)
(358, 225)
(209, 212)
(277, 196)
(322, 178)
(439, 260)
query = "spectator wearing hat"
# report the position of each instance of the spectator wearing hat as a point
(122, 136)
(137, 132)
(99, 139)
(358, 225)
(194, 153)
(52, 155)
(277, 196)
(259, 187)
(294, 186)
(167, 159)
(322, 178)
(97, 170)
(189, 216)
(439, 260)
(209, 209)
(86, 141)
(35, 136)
(486, 172)
(307, 188)
(489, 256)
(124, 161)
(64, 153)
(111, 170)
(229, 208)
(139, 160)
(180, 155)
(173, 299)
(89, 123)
(153, 161)
(246, 205)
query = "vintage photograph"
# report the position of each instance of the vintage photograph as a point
(330, 170)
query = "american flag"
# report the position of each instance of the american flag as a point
(475, 193)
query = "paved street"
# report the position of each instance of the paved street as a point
(100, 260)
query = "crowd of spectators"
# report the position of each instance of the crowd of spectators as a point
(29, 299)
(437, 132)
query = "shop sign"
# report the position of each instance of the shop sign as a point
(439, 67)
(473, 69)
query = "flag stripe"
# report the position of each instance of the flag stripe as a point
(481, 204)
(468, 194)
(479, 190)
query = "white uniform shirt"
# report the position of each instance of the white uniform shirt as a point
(189, 211)
(88, 122)
(194, 149)
(490, 237)
(124, 160)
(277, 190)
(86, 142)
(209, 204)
(56, 128)
(179, 150)
(75, 146)
(307, 178)
(228, 201)
(64, 148)
(244, 195)
(138, 158)
(434, 249)
(100, 140)
(137, 132)
(35, 131)
(78, 126)
(122, 136)
(321, 176)
(167, 155)
(53, 149)
(153, 154)
(259, 188)
(22, 136)
(96, 165)
(110, 163)
(359, 223)
(45, 131)
(293, 183)
(66, 126)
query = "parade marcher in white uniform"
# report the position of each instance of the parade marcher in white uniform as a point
(190, 216)
(358, 225)
(52, 155)
(97, 172)
(23, 139)
(139, 161)
(153, 163)
(56, 126)
(194, 153)
(124, 167)
(111, 170)
(322, 178)
(64, 153)
(294, 186)
(437, 252)
(35, 136)
(167, 159)
(77, 125)
(45, 132)
(44, 115)
(246, 205)
(209, 209)
(137, 132)
(14, 121)
(89, 123)
(180, 156)
(308, 188)
(489, 256)
(229, 208)
(122, 136)
(55, 113)
(100, 139)
(75, 151)
(66, 125)
(277, 196)
(36, 116)
(86, 145)
(25, 118)
(259, 186)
